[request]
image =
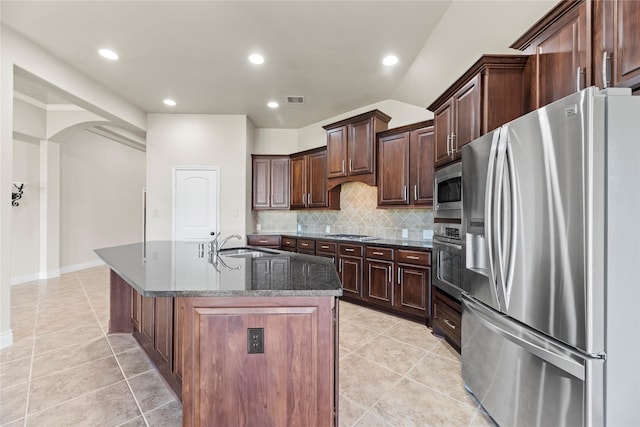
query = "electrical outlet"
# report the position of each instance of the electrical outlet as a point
(255, 340)
(405, 233)
(258, 227)
(299, 227)
(327, 229)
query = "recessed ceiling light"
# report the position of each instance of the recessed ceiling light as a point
(390, 60)
(109, 54)
(256, 58)
(272, 104)
(169, 102)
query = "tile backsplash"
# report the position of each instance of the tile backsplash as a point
(357, 215)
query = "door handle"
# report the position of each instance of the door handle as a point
(342, 165)
(453, 137)
(378, 253)
(415, 192)
(448, 139)
(350, 165)
(605, 77)
(405, 193)
(450, 324)
(390, 278)
(578, 72)
(399, 277)
(349, 250)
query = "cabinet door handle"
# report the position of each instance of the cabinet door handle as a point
(390, 278)
(450, 324)
(305, 244)
(349, 250)
(309, 199)
(378, 253)
(340, 265)
(578, 72)
(324, 247)
(448, 139)
(605, 77)
(263, 241)
(304, 199)
(415, 192)
(399, 277)
(453, 148)
(405, 193)
(350, 165)
(413, 257)
(342, 165)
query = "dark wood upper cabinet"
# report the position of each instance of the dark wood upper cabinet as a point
(351, 148)
(560, 48)
(491, 93)
(405, 165)
(309, 183)
(270, 182)
(616, 50)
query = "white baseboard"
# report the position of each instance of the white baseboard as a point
(24, 279)
(6, 338)
(44, 275)
(82, 266)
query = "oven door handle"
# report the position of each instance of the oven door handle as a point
(447, 245)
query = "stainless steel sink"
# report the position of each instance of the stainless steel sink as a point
(245, 252)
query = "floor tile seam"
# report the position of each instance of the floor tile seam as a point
(80, 396)
(395, 383)
(406, 343)
(378, 364)
(64, 330)
(443, 357)
(151, 368)
(474, 407)
(43, 353)
(73, 367)
(161, 405)
(33, 350)
(135, 399)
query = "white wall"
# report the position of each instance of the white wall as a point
(29, 120)
(276, 141)
(25, 218)
(101, 186)
(205, 140)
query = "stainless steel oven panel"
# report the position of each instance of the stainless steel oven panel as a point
(443, 206)
(447, 274)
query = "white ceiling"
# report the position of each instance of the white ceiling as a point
(330, 52)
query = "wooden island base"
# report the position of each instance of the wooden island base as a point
(201, 347)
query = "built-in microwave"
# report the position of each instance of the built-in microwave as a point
(447, 192)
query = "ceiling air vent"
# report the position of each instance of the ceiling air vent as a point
(295, 99)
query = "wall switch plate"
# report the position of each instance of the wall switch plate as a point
(255, 340)
(405, 233)
(299, 227)
(327, 229)
(427, 234)
(258, 227)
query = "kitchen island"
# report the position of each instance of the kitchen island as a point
(243, 336)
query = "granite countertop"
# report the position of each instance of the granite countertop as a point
(179, 269)
(409, 244)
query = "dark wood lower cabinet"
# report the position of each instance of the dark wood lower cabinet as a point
(292, 383)
(350, 262)
(200, 347)
(447, 318)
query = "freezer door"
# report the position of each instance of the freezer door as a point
(479, 279)
(522, 379)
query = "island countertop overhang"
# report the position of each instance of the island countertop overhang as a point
(182, 269)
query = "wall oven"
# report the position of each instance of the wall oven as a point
(447, 251)
(447, 192)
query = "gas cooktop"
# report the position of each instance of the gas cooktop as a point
(358, 237)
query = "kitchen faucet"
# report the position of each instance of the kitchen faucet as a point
(214, 246)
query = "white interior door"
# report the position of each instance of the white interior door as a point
(195, 203)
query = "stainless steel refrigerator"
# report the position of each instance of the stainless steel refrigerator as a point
(551, 285)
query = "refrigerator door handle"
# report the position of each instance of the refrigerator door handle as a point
(488, 213)
(498, 224)
(513, 222)
(567, 364)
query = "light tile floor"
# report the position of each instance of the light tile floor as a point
(65, 370)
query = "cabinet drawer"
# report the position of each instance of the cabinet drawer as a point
(376, 252)
(350, 250)
(306, 245)
(288, 242)
(447, 319)
(414, 257)
(254, 240)
(326, 247)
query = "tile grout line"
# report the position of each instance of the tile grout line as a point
(126, 380)
(33, 351)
